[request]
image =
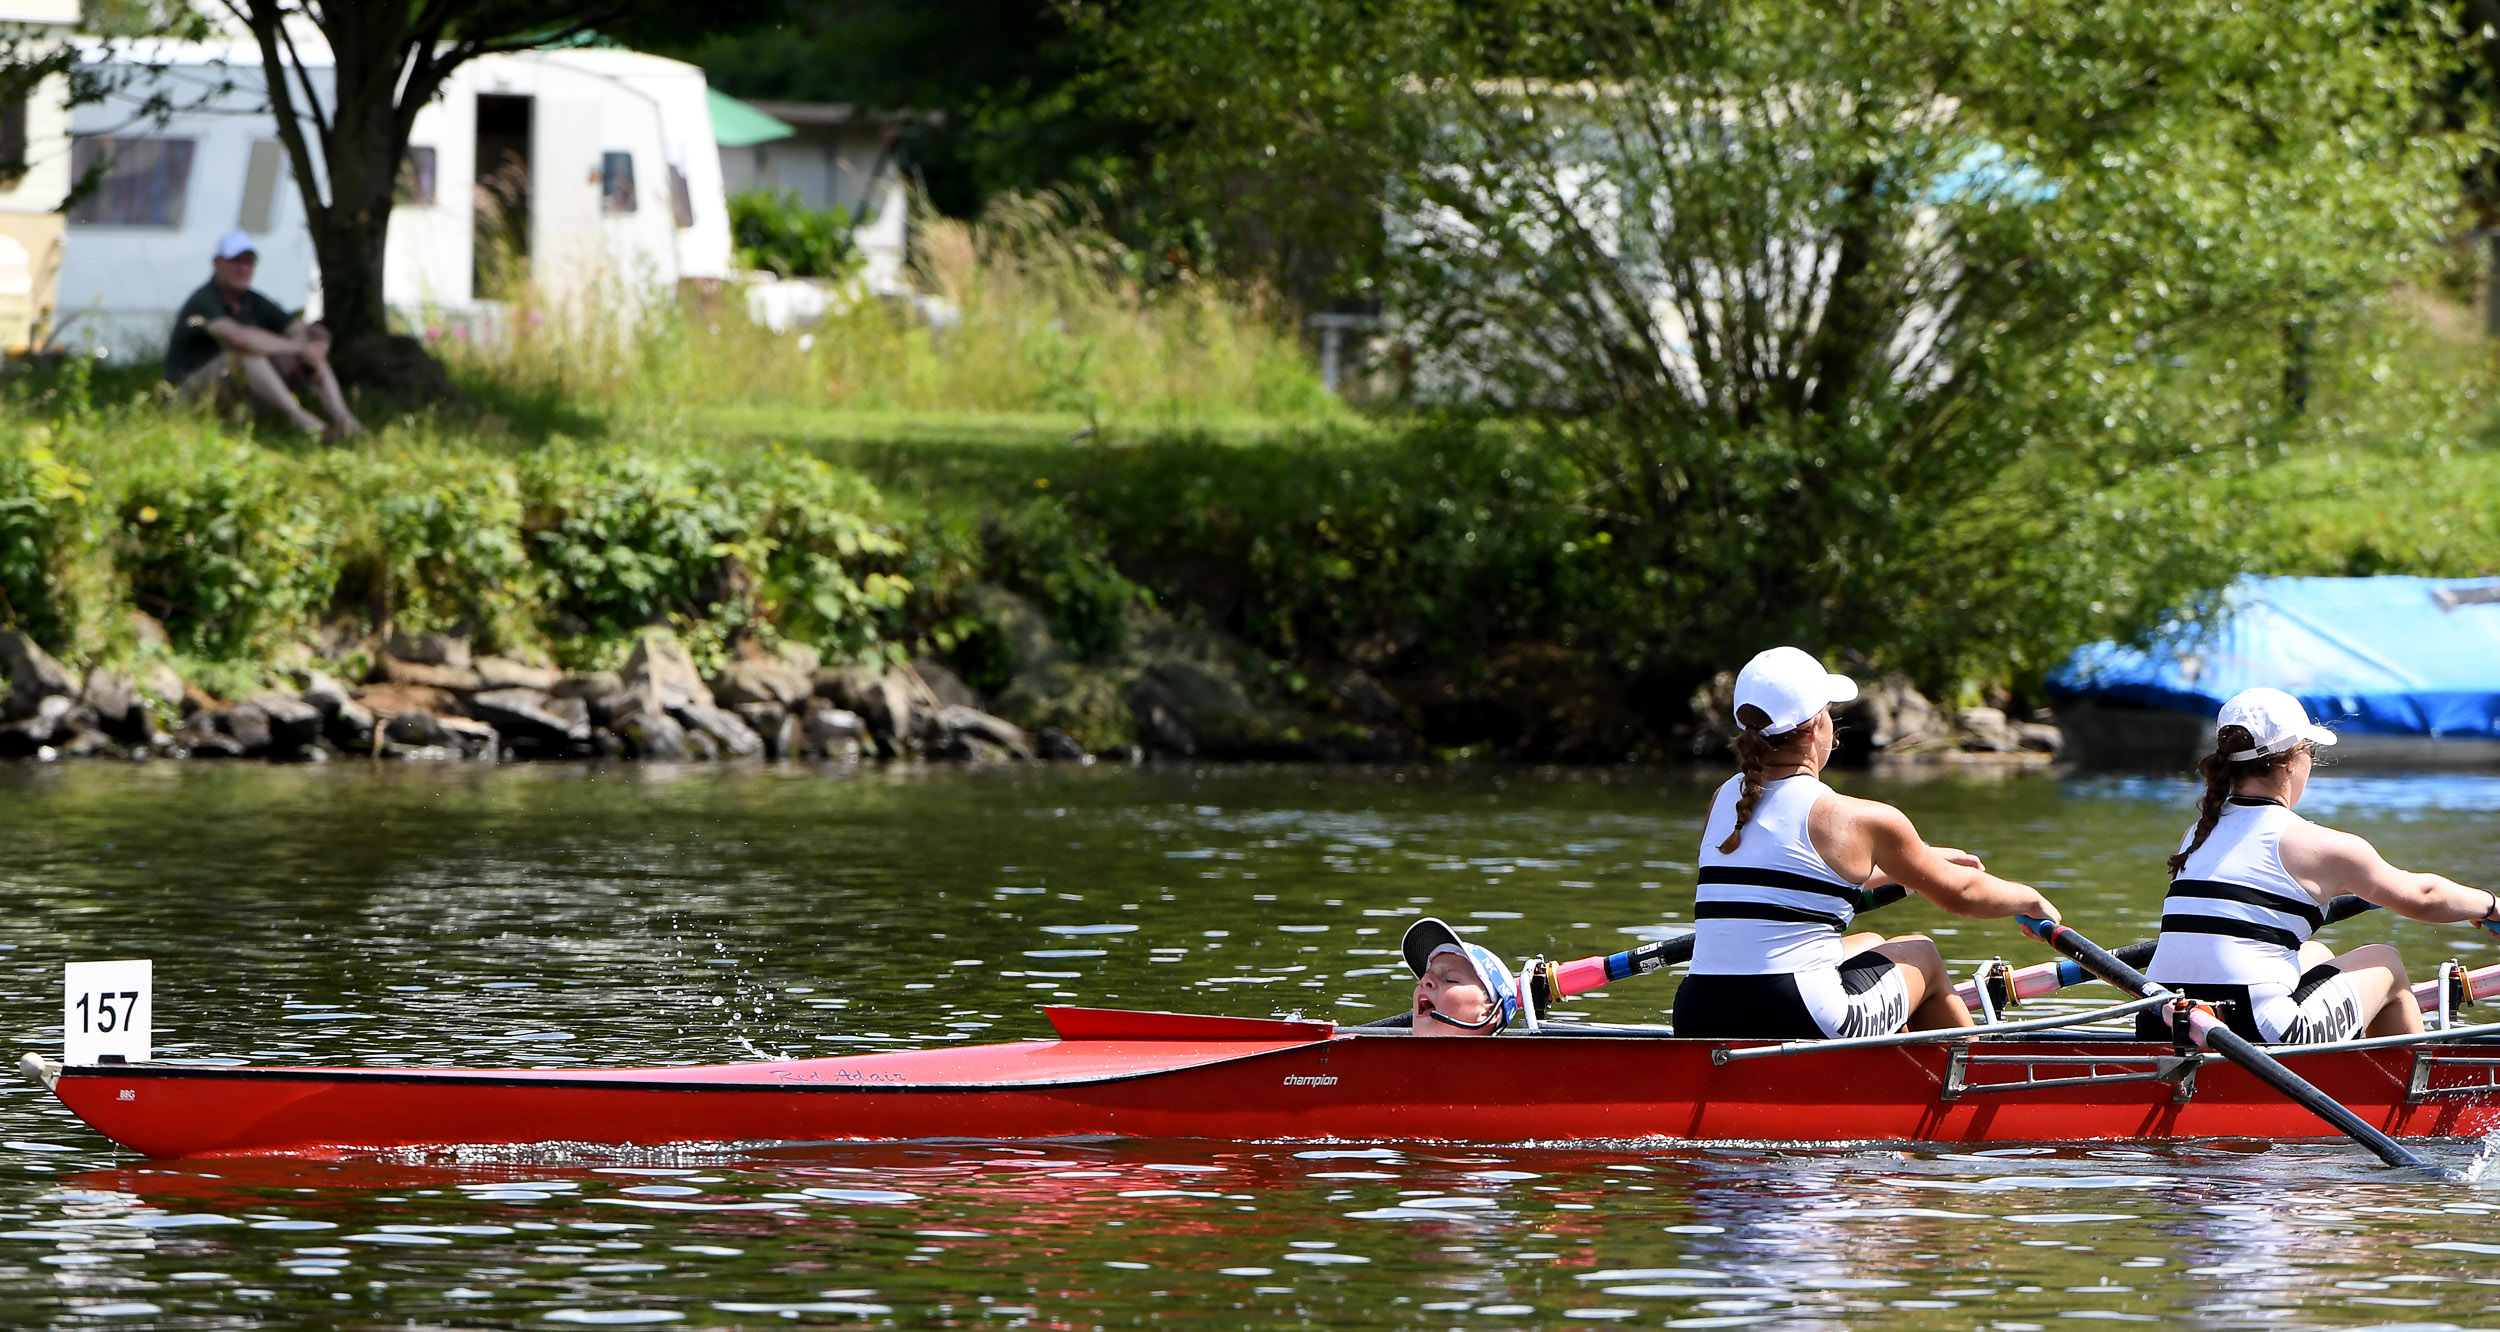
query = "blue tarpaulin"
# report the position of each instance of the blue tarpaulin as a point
(2379, 656)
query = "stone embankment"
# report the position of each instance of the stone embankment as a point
(1892, 722)
(428, 697)
(1172, 691)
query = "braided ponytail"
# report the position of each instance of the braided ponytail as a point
(2221, 775)
(1754, 752)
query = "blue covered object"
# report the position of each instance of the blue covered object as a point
(2377, 656)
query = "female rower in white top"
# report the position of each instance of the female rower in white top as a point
(2251, 881)
(1785, 865)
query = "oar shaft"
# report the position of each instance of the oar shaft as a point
(2208, 1031)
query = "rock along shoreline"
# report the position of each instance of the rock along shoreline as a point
(427, 698)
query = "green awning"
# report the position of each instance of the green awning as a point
(737, 125)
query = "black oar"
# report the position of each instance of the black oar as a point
(2209, 1032)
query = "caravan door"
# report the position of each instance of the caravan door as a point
(564, 204)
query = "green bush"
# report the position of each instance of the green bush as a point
(445, 544)
(40, 496)
(628, 537)
(776, 542)
(1386, 548)
(231, 550)
(775, 232)
(830, 569)
(1041, 550)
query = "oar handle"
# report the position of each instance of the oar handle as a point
(2345, 906)
(2208, 1031)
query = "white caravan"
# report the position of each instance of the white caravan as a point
(616, 195)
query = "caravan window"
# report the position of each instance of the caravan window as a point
(12, 140)
(415, 184)
(135, 182)
(680, 196)
(616, 182)
(261, 172)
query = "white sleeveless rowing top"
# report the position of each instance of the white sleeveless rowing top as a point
(1770, 907)
(2234, 915)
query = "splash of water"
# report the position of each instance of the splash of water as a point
(2485, 1151)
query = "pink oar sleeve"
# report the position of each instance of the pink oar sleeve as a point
(2481, 983)
(1580, 977)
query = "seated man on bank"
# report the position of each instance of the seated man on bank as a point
(227, 332)
(1461, 989)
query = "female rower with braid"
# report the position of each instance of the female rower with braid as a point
(1785, 865)
(2251, 881)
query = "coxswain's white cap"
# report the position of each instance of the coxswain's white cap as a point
(1789, 686)
(235, 244)
(2274, 719)
(1431, 936)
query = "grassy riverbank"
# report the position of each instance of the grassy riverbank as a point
(1130, 474)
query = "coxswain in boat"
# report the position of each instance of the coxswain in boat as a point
(2251, 882)
(1786, 863)
(1461, 989)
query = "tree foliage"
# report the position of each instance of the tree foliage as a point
(1009, 93)
(776, 231)
(1847, 312)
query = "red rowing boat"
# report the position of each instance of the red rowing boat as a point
(1163, 1075)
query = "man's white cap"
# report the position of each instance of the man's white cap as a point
(1790, 686)
(2274, 719)
(235, 243)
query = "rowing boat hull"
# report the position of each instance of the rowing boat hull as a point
(1271, 1082)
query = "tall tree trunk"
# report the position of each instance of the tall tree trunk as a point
(349, 232)
(345, 144)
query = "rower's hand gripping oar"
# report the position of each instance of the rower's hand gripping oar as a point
(1549, 983)
(2208, 1031)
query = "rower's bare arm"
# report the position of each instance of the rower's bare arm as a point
(1951, 879)
(2339, 862)
(1955, 854)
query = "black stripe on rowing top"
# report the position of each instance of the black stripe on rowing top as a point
(2217, 891)
(1751, 877)
(1764, 911)
(2237, 929)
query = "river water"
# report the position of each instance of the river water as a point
(549, 916)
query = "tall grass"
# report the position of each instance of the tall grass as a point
(1032, 308)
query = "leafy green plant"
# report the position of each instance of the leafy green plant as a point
(1040, 549)
(446, 544)
(40, 499)
(777, 233)
(231, 550)
(629, 537)
(831, 571)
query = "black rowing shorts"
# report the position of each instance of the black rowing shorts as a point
(1868, 996)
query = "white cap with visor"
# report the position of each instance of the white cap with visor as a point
(235, 245)
(2272, 718)
(1790, 687)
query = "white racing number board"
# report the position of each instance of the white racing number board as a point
(107, 1011)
